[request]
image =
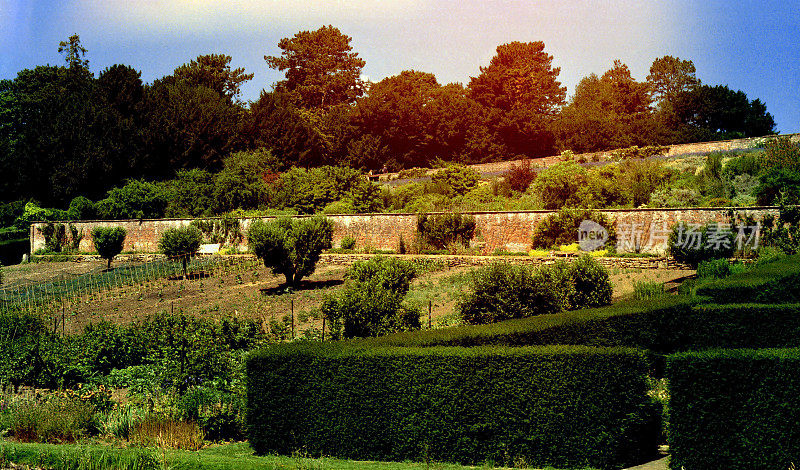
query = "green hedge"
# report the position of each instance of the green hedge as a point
(561, 406)
(735, 409)
(776, 282)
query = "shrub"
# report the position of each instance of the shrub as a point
(674, 197)
(734, 409)
(225, 230)
(714, 269)
(371, 302)
(291, 246)
(458, 179)
(108, 241)
(442, 230)
(348, 243)
(591, 286)
(692, 244)
(561, 228)
(501, 291)
(138, 199)
(563, 184)
(638, 152)
(181, 243)
(519, 177)
(559, 406)
(81, 208)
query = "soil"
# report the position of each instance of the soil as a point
(256, 293)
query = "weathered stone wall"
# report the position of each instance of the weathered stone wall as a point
(509, 231)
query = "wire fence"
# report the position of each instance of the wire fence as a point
(70, 289)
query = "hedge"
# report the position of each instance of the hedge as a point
(560, 406)
(775, 282)
(735, 409)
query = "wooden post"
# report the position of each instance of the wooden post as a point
(292, 318)
(430, 312)
(323, 328)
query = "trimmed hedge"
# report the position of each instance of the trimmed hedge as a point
(561, 406)
(735, 409)
(776, 282)
(665, 325)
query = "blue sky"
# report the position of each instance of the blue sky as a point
(753, 46)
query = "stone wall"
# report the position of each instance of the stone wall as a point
(510, 231)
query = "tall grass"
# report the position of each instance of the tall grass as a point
(50, 419)
(154, 431)
(644, 290)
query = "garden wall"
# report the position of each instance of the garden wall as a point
(510, 231)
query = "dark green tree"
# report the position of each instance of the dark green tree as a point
(214, 71)
(181, 244)
(291, 246)
(321, 71)
(109, 241)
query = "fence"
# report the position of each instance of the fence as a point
(103, 284)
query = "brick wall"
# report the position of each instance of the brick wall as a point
(509, 231)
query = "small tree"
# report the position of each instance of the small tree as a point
(291, 246)
(181, 243)
(108, 241)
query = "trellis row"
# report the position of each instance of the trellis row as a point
(510, 231)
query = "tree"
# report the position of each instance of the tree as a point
(137, 199)
(715, 113)
(181, 243)
(521, 90)
(214, 71)
(564, 184)
(610, 111)
(291, 246)
(371, 302)
(669, 77)
(108, 241)
(73, 52)
(320, 69)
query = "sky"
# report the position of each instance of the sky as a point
(753, 46)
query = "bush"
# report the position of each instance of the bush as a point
(692, 244)
(138, 199)
(81, 208)
(443, 230)
(563, 184)
(717, 268)
(561, 228)
(638, 152)
(348, 243)
(458, 179)
(501, 291)
(559, 406)
(108, 241)
(519, 177)
(776, 282)
(371, 302)
(591, 286)
(181, 243)
(734, 409)
(291, 246)
(674, 197)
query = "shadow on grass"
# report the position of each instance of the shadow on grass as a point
(304, 285)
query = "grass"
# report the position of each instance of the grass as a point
(236, 456)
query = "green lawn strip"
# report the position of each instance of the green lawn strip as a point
(236, 456)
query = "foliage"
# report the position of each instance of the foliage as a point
(290, 246)
(371, 302)
(637, 152)
(181, 243)
(692, 243)
(108, 241)
(81, 208)
(459, 179)
(53, 418)
(347, 243)
(443, 230)
(501, 291)
(321, 72)
(519, 177)
(561, 228)
(775, 282)
(590, 282)
(674, 197)
(718, 268)
(226, 230)
(756, 387)
(590, 404)
(214, 71)
(563, 184)
(138, 199)
(783, 233)
(646, 290)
